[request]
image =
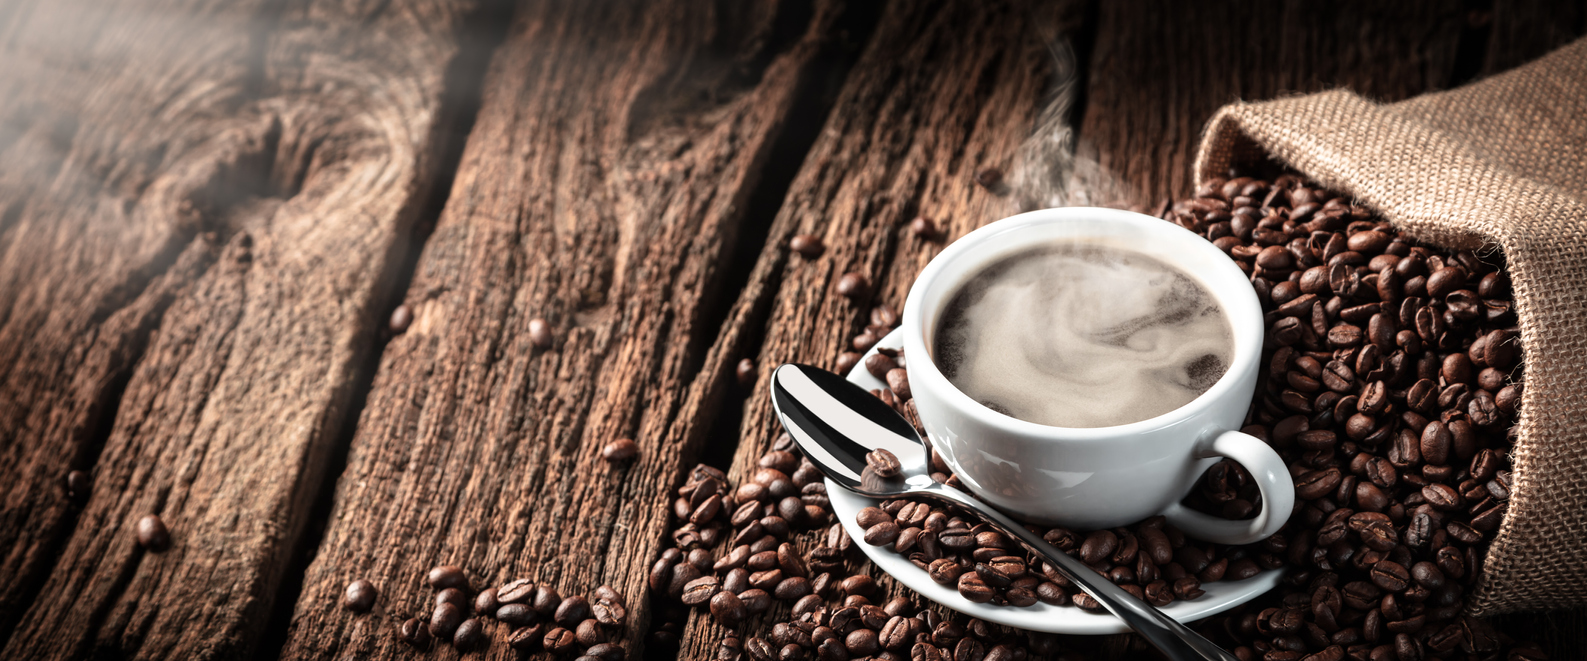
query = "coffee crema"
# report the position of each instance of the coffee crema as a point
(1075, 334)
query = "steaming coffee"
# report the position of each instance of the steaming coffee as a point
(1082, 335)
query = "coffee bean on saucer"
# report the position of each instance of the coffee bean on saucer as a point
(619, 450)
(447, 576)
(360, 596)
(883, 462)
(152, 534)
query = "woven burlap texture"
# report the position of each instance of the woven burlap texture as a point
(1500, 163)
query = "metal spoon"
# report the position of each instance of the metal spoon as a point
(837, 423)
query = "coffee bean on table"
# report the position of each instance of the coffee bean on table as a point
(360, 596)
(78, 485)
(528, 639)
(447, 576)
(808, 245)
(853, 285)
(469, 636)
(923, 227)
(516, 592)
(152, 534)
(608, 611)
(587, 633)
(559, 641)
(883, 463)
(444, 621)
(454, 597)
(540, 333)
(621, 449)
(413, 632)
(400, 318)
(547, 599)
(486, 602)
(606, 652)
(572, 610)
(727, 608)
(746, 373)
(516, 615)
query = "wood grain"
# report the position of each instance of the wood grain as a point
(1159, 70)
(1520, 31)
(941, 91)
(601, 190)
(203, 204)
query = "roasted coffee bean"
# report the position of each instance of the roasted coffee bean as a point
(862, 642)
(486, 602)
(444, 621)
(572, 610)
(152, 534)
(727, 608)
(447, 576)
(540, 333)
(792, 588)
(853, 285)
(559, 640)
(858, 584)
(454, 597)
(360, 596)
(974, 589)
(696, 592)
(621, 449)
(882, 462)
(414, 632)
(881, 534)
(470, 635)
(1317, 484)
(1390, 576)
(1098, 545)
(808, 245)
(755, 600)
(516, 615)
(607, 652)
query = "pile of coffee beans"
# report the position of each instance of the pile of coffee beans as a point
(1390, 381)
(537, 616)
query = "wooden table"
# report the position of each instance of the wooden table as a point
(210, 208)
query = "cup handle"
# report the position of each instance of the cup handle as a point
(1272, 478)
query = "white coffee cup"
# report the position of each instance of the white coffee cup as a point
(1093, 478)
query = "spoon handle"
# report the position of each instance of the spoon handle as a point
(1175, 640)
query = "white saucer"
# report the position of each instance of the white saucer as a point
(1220, 596)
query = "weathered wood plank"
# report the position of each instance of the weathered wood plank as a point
(601, 190)
(204, 204)
(1159, 71)
(941, 91)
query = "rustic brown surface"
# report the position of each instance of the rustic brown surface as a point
(203, 206)
(1159, 70)
(942, 90)
(601, 189)
(202, 201)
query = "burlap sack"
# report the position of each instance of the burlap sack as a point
(1499, 163)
